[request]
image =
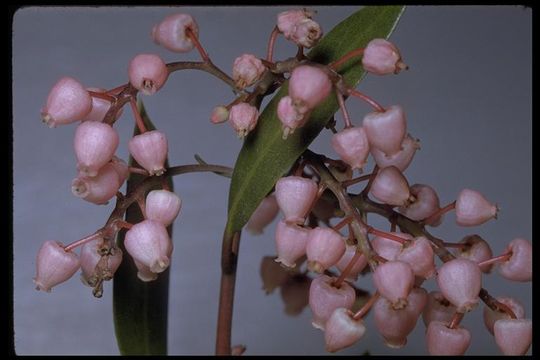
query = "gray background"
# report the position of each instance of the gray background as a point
(467, 96)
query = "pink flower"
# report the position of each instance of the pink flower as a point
(171, 32)
(381, 57)
(147, 73)
(148, 243)
(150, 151)
(441, 340)
(163, 206)
(472, 208)
(68, 102)
(324, 248)
(100, 188)
(247, 70)
(54, 265)
(95, 144)
(243, 118)
(295, 195)
(308, 87)
(386, 130)
(352, 146)
(289, 116)
(291, 241)
(325, 298)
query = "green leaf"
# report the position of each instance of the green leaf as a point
(265, 156)
(140, 308)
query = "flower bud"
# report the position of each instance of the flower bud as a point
(243, 118)
(150, 151)
(95, 144)
(513, 336)
(171, 32)
(441, 340)
(295, 195)
(289, 116)
(54, 265)
(386, 130)
(324, 248)
(519, 266)
(220, 114)
(437, 309)
(391, 187)
(352, 146)
(68, 101)
(100, 107)
(426, 203)
(308, 87)
(263, 215)
(396, 324)
(147, 73)
(477, 250)
(247, 70)
(394, 281)
(419, 255)
(342, 330)
(162, 206)
(291, 241)
(460, 281)
(288, 20)
(95, 266)
(307, 33)
(148, 242)
(98, 189)
(344, 261)
(325, 298)
(401, 159)
(491, 316)
(472, 208)
(381, 57)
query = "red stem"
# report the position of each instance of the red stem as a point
(440, 212)
(346, 117)
(271, 42)
(198, 45)
(505, 308)
(356, 52)
(363, 311)
(347, 269)
(367, 99)
(138, 119)
(387, 235)
(83, 241)
(456, 319)
(348, 183)
(500, 258)
(342, 223)
(370, 182)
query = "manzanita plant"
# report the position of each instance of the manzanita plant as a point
(325, 245)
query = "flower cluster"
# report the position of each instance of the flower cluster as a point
(399, 261)
(309, 197)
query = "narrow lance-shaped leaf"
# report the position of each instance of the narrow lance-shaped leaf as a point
(265, 156)
(140, 308)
